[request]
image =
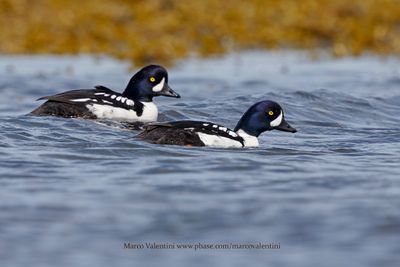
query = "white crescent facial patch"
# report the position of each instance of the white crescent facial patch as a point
(277, 121)
(159, 86)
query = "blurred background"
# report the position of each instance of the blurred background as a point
(165, 30)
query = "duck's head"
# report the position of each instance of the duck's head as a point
(149, 82)
(264, 116)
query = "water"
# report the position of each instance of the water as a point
(73, 191)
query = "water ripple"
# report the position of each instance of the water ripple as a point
(78, 189)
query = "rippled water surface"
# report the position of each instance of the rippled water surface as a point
(73, 191)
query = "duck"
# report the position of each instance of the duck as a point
(135, 104)
(262, 116)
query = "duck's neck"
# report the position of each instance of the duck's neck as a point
(248, 139)
(135, 95)
(133, 91)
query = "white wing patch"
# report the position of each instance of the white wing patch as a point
(159, 86)
(232, 133)
(223, 129)
(102, 93)
(121, 99)
(81, 100)
(277, 121)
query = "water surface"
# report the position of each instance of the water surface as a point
(73, 191)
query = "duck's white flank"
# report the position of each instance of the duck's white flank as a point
(150, 112)
(218, 141)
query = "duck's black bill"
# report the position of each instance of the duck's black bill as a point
(284, 126)
(167, 91)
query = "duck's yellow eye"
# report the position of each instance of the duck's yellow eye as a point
(152, 79)
(270, 113)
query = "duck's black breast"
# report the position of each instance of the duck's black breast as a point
(74, 103)
(184, 133)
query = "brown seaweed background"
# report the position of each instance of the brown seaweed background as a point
(165, 30)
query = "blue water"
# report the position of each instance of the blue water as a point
(73, 191)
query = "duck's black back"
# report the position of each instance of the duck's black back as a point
(66, 110)
(166, 133)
